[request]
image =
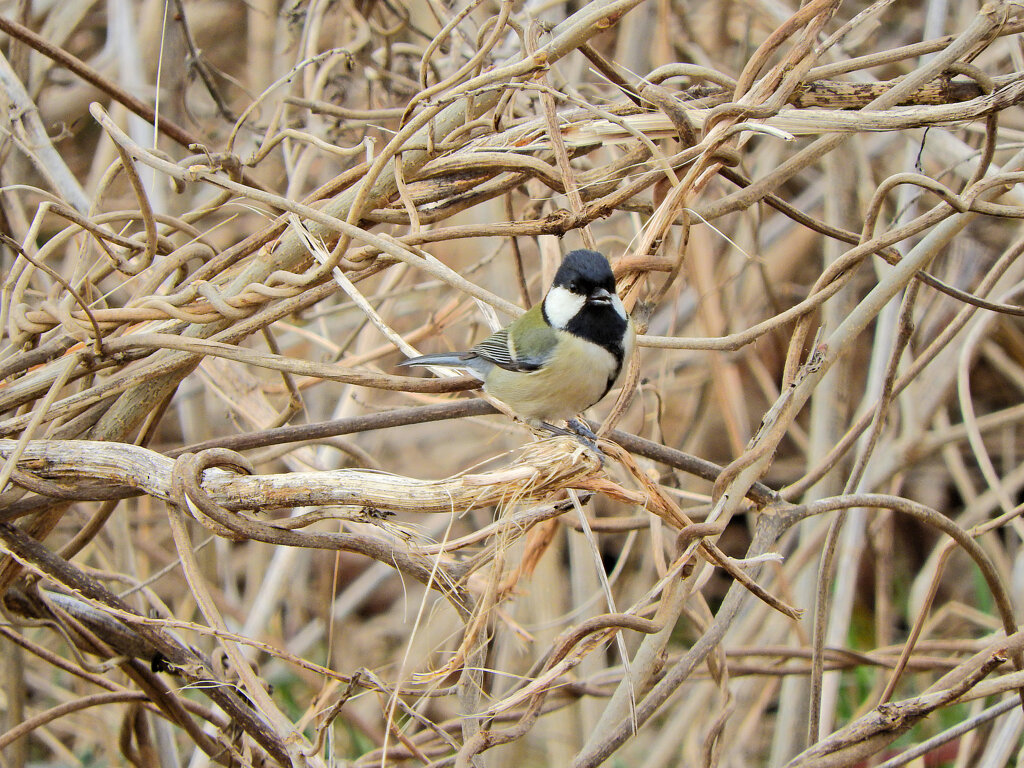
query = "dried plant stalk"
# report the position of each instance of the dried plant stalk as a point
(225, 515)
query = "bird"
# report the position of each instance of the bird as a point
(560, 357)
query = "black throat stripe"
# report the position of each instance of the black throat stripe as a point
(602, 326)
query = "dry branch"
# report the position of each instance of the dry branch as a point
(813, 210)
(101, 467)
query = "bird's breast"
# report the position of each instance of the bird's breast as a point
(577, 376)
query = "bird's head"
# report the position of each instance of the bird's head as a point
(583, 285)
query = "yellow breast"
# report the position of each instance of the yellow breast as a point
(577, 377)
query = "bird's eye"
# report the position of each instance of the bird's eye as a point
(574, 286)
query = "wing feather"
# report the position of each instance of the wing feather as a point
(498, 350)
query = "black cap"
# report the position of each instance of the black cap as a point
(582, 271)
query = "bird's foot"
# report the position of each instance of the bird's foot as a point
(580, 428)
(548, 427)
(577, 429)
(585, 435)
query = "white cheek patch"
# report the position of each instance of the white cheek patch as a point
(561, 305)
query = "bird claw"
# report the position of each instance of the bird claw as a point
(585, 435)
(580, 427)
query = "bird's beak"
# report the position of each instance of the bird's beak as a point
(600, 296)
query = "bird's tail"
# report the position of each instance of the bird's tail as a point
(451, 359)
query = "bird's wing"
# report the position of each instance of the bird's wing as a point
(497, 349)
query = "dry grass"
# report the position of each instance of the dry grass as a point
(232, 533)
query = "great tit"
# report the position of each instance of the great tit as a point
(561, 356)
